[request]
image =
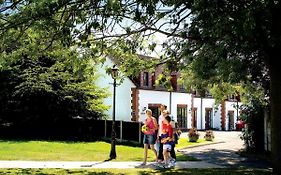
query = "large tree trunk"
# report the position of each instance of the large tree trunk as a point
(275, 100)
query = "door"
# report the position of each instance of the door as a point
(208, 118)
(230, 115)
(194, 117)
(155, 108)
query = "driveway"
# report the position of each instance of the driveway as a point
(224, 151)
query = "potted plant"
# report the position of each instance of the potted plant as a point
(209, 135)
(193, 135)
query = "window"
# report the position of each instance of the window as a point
(153, 79)
(145, 79)
(182, 116)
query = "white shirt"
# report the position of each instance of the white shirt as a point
(160, 121)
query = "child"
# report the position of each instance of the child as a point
(166, 139)
(176, 135)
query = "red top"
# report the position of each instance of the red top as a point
(150, 125)
(167, 130)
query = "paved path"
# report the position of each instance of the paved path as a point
(221, 154)
(224, 152)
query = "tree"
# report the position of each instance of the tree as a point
(223, 40)
(41, 86)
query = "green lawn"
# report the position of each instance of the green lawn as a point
(182, 143)
(134, 171)
(96, 151)
(75, 151)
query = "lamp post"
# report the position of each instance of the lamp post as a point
(114, 75)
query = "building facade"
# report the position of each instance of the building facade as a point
(135, 95)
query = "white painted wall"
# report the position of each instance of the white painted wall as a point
(230, 106)
(123, 93)
(201, 104)
(207, 103)
(149, 96)
(181, 98)
(197, 104)
(124, 103)
(210, 103)
(217, 117)
(162, 97)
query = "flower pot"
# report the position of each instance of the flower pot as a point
(209, 135)
(209, 138)
(193, 138)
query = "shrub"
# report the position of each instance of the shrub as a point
(193, 135)
(209, 135)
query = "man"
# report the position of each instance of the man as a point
(164, 113)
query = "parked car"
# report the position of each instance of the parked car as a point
(240, 124)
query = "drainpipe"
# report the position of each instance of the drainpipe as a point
(237, 106)
(201, 111)
(192, 110)
(170, 102)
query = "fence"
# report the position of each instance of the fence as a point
(129, 131)
(75, 129)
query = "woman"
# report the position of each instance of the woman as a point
(149, 135)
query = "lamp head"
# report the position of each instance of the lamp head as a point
(114, 72)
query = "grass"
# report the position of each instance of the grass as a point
(97, 151)
(134, 171)
(76, 151)
(182, 143)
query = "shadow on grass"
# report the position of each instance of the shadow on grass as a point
(73, 141)
(228, 158)
(135, 171)
(209, 172)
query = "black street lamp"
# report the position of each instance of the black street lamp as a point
(114, 75)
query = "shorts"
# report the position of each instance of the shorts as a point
(168, 147)
(149, 139)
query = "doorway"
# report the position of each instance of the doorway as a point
(208, 118)
(230, 115)
(155, 108)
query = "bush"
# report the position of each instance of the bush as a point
(209, 135)
(193, 135)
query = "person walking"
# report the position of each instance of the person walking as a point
(176, 136)
(149, 135)
(167, 140)
(163, 113)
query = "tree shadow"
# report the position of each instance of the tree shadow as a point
(228, 158)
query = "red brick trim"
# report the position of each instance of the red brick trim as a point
(135, 104)
(223, 116)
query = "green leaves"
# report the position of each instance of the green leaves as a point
(43, 78)
(219, 41)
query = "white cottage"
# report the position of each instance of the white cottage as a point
(123, 93)
(136, 95)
